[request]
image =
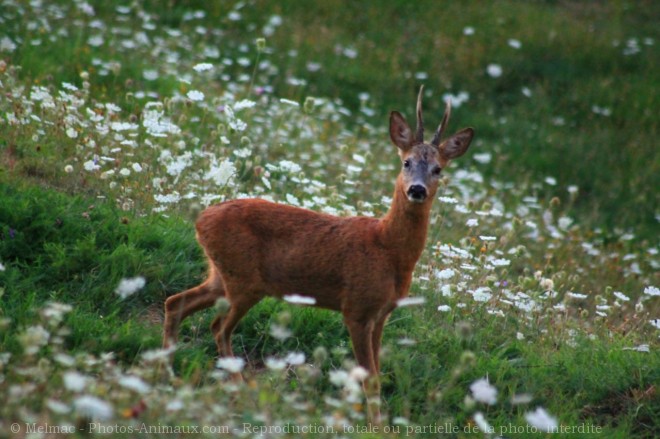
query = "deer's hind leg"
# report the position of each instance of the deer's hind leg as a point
(183, 304)
(223, 326)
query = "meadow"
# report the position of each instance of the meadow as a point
(536, 310)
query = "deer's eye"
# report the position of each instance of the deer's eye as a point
(437, 170)
(406, 164)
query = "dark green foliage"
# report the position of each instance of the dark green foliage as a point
(73, 250)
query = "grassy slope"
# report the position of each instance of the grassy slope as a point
(569, 63)
(79, 262)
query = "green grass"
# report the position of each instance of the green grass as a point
(70, 236)
(74, 250)
(595, 382)
(570, 64)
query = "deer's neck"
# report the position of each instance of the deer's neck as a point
(405, 226)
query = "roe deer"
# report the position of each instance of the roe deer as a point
(359, 266)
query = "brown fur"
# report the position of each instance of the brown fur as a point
(359, 266)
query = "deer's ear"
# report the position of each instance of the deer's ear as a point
(400, 132)
(456, 145)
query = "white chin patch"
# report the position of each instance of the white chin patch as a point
(416, 200)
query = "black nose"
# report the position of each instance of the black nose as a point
(417, 192)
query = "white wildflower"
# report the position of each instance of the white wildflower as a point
(619, 295)
(243, 153)
(280, 332)
(487, 238)
(237, 125)
(516, 44)
(547, 284)
(134, 383)
(564, 222)
(350, 52)
(522, 398)
(652, 291)
(483, 391)
(290, 102)
(174, 197)
(494, 70)
(299, 300)
(338, 377)
(482, 294)
(445, 274)
(95, 40)
(295, 358)
(472, 222)
(202, 67)
(123, 126)
(289, 166)
(54, 312)
(483, 158)
(358, 373)
(578, 296)
(7, 45)
(446, 290)
(291, 199)
(92, 407)
(156, 123)
(71, 133)
(157, 354)
(500, 262)
(112, 108)
(150, 74)
(640, 348)
(244, 103)
(542, 420)
(231, 364)
(359, 158)
(33, 339)
(137, 167)
(481, 422)
(221, 174)
(444, 308)
(275, 364)
(448, 200)
(130, 286)
(410, 301)
(58, 407)
(74, 381)
(64, 359)
(406, 341)
(174, 405)
(468, 30)
(195, 95)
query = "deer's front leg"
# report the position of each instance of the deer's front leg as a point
(362, 337)
(376, 340)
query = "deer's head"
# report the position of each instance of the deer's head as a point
(423, 162)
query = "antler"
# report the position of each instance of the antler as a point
(443, 125)
(419, 136)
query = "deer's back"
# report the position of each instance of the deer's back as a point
(287, 250)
